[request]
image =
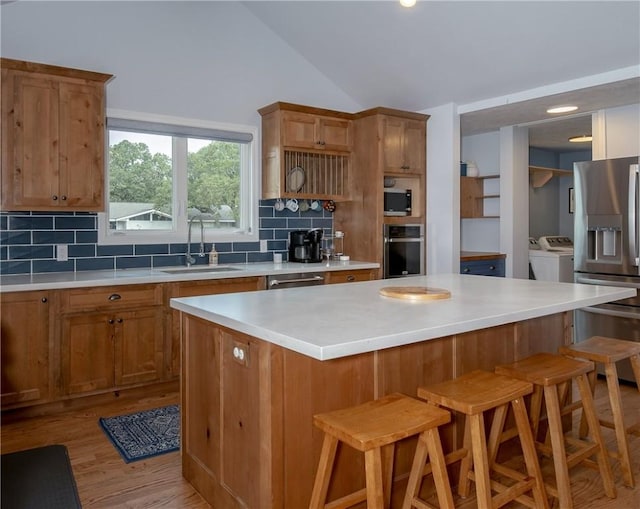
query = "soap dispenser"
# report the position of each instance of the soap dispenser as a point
(213, 255)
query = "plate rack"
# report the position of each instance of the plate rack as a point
(325, 175)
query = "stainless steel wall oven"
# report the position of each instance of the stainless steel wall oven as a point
(403, 250)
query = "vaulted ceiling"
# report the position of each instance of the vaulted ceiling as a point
(469, 52)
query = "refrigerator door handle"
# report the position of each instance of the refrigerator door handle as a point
(610, 312)
(604, 282)
(633, 214)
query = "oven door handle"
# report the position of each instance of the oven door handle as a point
(611, 312)
(404, 240)
(604, 282)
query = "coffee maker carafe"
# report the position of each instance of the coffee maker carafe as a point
(305, 246)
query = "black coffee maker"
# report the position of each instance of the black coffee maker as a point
(305, 246)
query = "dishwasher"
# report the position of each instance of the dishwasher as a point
(277, 281)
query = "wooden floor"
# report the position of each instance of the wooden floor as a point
(105, 481)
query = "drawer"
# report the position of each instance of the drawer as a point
(491, 267)
(350, 276)
(110, 297)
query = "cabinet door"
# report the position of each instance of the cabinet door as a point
(30, 141)
(414, 146)
(87, 352)
(299, 130)
(24, 338)
(392, 144)
(334, 134)
(404, 145)
(81, 124)
(138, 346)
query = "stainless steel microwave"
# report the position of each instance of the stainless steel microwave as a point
(397, 202)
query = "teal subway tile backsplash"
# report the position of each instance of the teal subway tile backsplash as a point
(28, 239)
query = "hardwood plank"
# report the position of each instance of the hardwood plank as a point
(104, 480)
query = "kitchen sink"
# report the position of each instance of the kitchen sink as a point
(192, 270)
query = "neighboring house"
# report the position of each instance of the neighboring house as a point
(143, 216)
(137, 216)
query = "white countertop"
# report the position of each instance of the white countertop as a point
(89, 278)
(332, 321)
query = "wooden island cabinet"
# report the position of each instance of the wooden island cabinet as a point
(256, 369)
(247, 434)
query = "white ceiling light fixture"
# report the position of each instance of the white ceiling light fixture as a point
(407, 3)
(583, 138)
(562, 109)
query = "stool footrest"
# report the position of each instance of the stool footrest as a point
(348, 500)
(506, 493)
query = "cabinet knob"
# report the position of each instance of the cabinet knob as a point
(63, 198)
(114, 296)
(54, 197)
(351, 278)
(120, 320)
(466, 269)
(43, 300)
(492, 267)
(111, 321)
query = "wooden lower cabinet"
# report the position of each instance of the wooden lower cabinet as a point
(109, 350)
(248, 405)
(25, 349)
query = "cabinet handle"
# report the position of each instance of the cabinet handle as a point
(114, 296)
(63, 198)
(466, 269)
(492, 267)
(54, 197)
(43, 300)
(120, 320)
(351, 278)
(111, 320)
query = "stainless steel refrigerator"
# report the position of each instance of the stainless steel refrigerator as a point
(606, 246)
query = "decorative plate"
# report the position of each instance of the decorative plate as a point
(295, 179)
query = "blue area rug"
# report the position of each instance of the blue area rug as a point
(144, 434)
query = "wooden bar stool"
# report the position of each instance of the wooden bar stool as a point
(608, 351)
(552, 375)
(473, 394)
(373, 428)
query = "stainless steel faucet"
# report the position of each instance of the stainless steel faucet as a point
(189, 260)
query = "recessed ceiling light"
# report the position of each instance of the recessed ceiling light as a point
(407, 3)
(562, 109)
(581, 139)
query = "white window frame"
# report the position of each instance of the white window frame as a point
(249, 189)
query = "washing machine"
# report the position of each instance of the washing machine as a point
(551, 258)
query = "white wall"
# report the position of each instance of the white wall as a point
(622, 131)
(482, 234)
(205, 60)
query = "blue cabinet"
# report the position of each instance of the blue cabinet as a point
(487, 267)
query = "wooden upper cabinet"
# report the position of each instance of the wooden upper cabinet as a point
(404, 145)
(306, 152)
(52, 138)
(300, 130)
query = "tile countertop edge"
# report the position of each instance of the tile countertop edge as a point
(412, 333)
(85, 279)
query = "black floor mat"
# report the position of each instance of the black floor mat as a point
(38, 478)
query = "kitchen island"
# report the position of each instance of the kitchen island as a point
(257, 366)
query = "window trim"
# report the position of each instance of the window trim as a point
(250, 188)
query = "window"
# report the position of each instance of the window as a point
(163, 172)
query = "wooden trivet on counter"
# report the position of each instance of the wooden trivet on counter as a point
(415, 292)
